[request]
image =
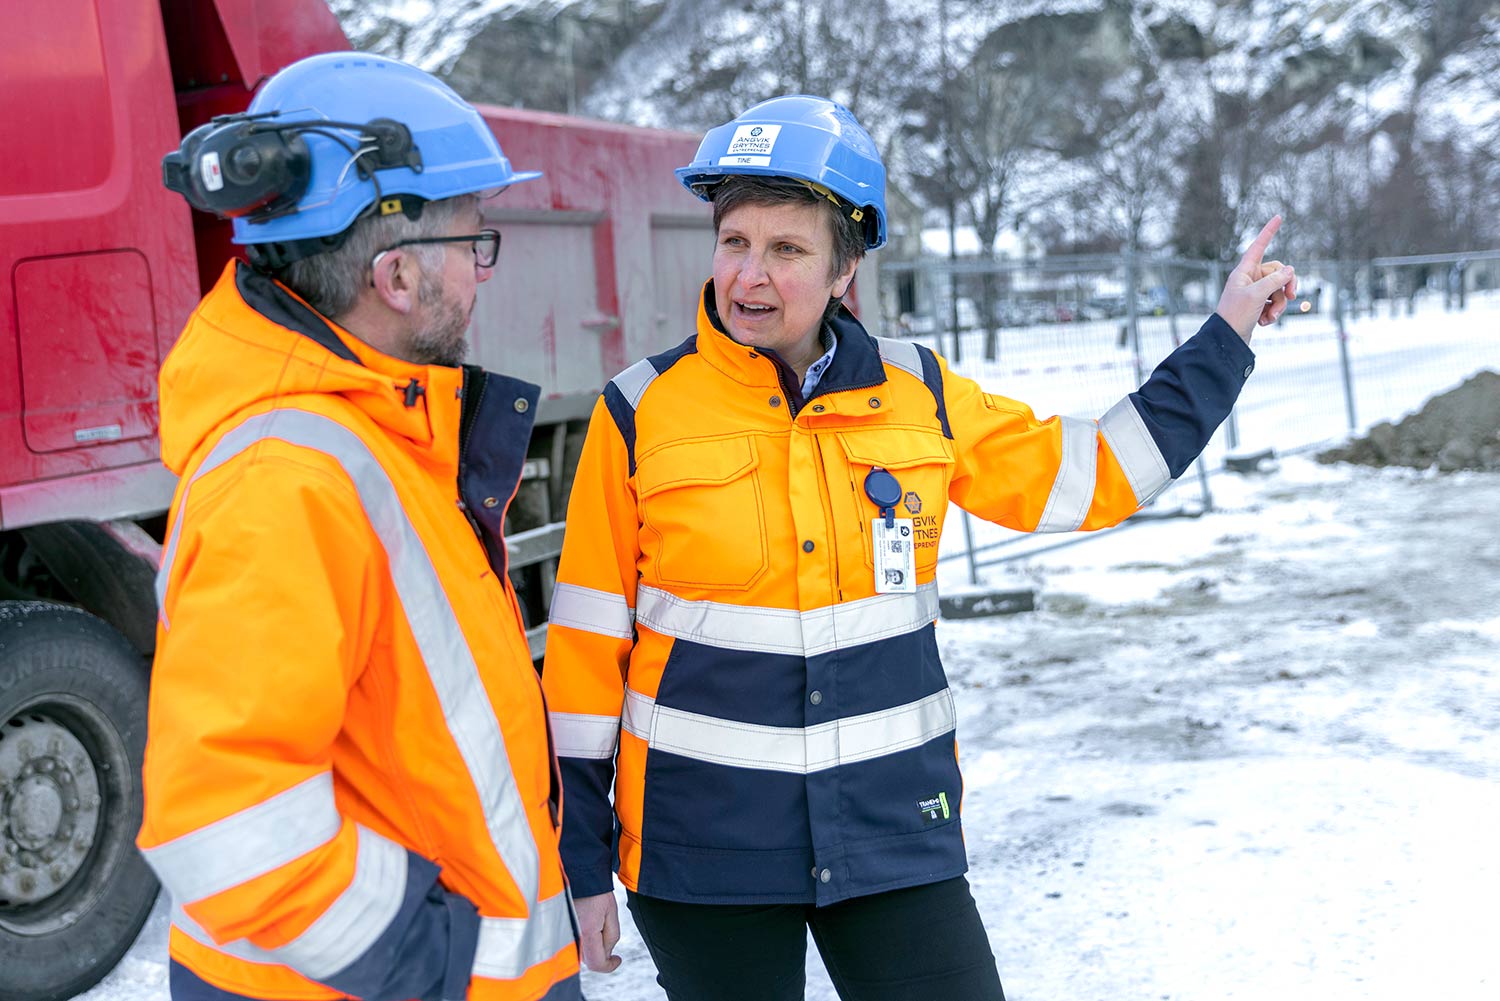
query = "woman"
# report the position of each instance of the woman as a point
(742, 631)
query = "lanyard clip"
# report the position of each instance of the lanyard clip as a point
(884, 491)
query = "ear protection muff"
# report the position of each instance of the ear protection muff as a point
(252, 166)
(232, 169)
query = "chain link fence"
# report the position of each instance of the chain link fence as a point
(1072, 335)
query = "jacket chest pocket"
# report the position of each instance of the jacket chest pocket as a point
(703, 514)
(922, 463)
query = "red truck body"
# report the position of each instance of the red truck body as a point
(602, 261)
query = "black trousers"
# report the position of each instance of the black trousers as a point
(925, 943)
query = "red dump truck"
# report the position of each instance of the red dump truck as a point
(602, 261)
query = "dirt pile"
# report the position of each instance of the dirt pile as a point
(1458, 430)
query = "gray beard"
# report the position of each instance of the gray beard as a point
(442, 340)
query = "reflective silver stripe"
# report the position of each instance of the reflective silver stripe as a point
(239, 948)
(345, 931)
(799, 750)
(449, 661)
(161, 574)
(1139, 458)
(351, 925)
(250, 843)
(902, 354)
(785, 630)
(635, 717)
(592, 611)
(633, 381)
(577, 735)
(1077, 471)
(508, 947)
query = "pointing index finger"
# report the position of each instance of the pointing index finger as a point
(1257, 248)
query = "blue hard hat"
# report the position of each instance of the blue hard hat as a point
(811, 139)
(456, 153)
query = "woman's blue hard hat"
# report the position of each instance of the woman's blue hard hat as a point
(810, 139)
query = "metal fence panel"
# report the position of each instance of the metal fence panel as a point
(1065, 336)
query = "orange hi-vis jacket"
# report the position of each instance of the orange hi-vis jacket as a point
(777, 729)
(348, 753)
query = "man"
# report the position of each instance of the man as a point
(349, 788)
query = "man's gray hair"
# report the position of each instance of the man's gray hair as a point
(331, 282)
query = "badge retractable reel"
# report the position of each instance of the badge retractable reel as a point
(894, 545)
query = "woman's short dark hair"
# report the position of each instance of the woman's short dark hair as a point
(750, 189)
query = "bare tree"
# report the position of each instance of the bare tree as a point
(979, 135)
(427, 33)
(742, 54)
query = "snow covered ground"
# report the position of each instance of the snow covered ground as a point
(1253, 754)
(1295, 399)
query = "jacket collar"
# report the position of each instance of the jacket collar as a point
(856, 363)
(253, 344)
(417, 402)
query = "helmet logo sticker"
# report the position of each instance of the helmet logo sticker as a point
(753, 140)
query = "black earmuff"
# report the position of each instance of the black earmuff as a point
(251, 165)
(234, 167)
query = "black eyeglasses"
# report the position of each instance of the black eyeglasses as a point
(486, 245)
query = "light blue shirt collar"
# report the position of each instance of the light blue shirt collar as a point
(816, 369)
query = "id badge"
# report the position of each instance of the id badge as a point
(895, 556)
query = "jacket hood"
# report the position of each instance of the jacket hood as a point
(251, 343)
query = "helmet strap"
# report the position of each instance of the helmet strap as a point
(854, 212)
(274, 258)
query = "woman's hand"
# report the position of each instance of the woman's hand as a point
(598, 931)
(1257, 291)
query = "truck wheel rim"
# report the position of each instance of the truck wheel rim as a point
(51, 804)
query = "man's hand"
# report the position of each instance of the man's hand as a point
(1257, 291)
(599, 929)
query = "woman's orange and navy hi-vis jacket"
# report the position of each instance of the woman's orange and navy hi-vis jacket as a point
(775, 730)
(349, 789)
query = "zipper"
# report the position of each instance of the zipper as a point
(822, 471)
(833, 535)
(781, 368)
(466, 416)
(467, 419)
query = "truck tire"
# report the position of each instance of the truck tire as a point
(74, 891)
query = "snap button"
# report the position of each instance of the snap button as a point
(775, 401)
(816, 698)
(818, 408)
(874, 402)
(814, 872)
(825, 876)
(808, 546)
(1248, 370)
(522, 406)
(491, 501)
